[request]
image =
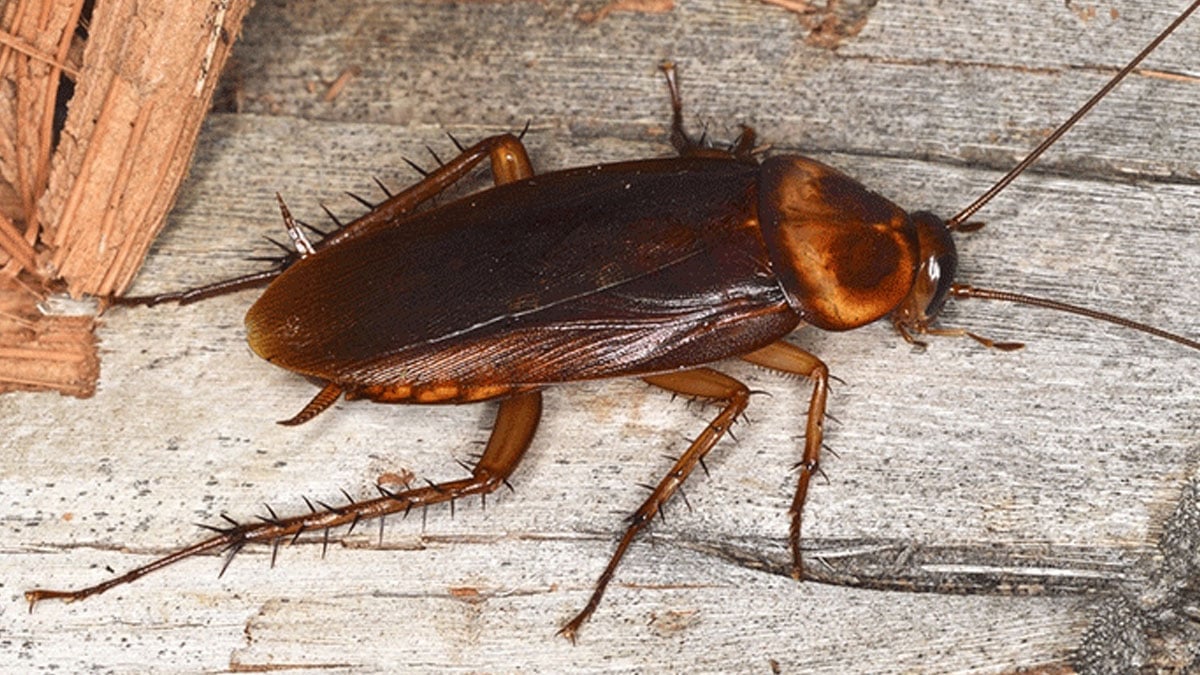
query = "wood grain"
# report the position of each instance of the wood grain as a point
(984, 511)
(101, 104)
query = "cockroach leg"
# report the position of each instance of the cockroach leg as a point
(509, 163)
(300, 242)
(986, 342)
(516, 421)
(743, 148)
(699, 383)
(328, 395)
(788, 358)
(509, 160)
(680, 140)
(744, 145)
(188, 296)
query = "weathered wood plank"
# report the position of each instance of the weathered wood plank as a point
(1052, 472)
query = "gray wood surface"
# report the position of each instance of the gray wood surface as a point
(984, 511)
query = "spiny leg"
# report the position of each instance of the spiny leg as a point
(516, 421)
(788, 358)
(742, 149)
(509, 162)
(701, 383)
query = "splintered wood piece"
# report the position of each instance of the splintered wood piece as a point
(99, 114)
(40, 352)
(125, 148)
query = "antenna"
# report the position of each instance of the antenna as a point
(961, 218)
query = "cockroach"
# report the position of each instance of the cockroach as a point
(651, 268)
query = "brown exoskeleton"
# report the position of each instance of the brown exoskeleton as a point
(653, 269)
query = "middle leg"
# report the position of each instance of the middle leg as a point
(788, 358)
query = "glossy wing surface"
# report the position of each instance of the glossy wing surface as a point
(584, 273)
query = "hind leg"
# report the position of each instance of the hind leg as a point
(509, 163)
(516, 422)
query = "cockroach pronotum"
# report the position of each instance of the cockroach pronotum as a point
(650, 268)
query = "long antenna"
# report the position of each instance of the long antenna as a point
(967, 291)
(1066, 126)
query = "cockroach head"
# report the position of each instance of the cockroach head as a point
(938, 263)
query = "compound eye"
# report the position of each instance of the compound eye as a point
(939, 271)
(939, 262)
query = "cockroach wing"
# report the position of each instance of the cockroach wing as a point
(597, 272)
